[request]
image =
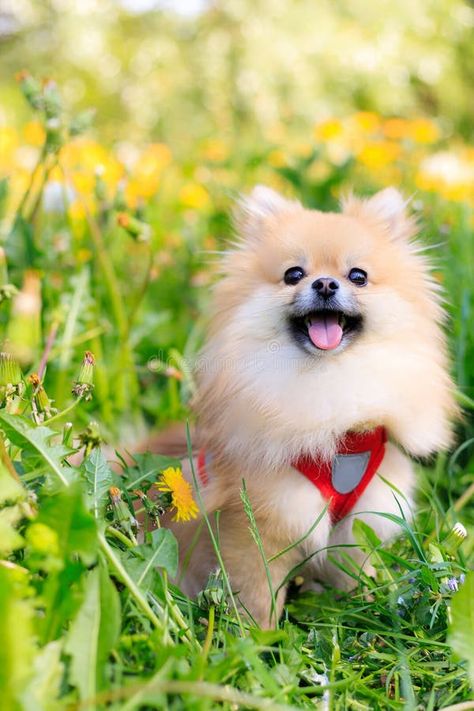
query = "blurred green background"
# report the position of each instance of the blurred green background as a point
(110, 235)
(186, 69)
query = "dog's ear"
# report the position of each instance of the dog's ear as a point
(253, 209)
(387, 208)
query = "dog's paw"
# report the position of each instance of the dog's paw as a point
(309, 586)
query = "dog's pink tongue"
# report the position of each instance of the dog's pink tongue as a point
(325, 331)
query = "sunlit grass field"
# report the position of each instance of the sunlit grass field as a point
(105, 273)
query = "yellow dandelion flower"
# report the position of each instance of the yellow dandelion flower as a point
(276, 158)
(423, 130)
(56, 175)
(147, 171)
(8, 146)
(366, 121)
(450, 173)
(459, 192)
(379, 154)
(146, 174)
(194, 196)
(34, 133)
(83, 182)
(396, 128)
(76, 211)
(173, 482)
(215, 150)
(328, 130)
(88, 159)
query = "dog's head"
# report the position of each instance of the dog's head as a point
(328, 321)
(323, 281)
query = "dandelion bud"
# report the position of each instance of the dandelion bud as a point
(90, 438)
(172, 372)
(137, 229)
(454, 538)
(119, 201)
(213, 594)
(31, 89)
(40, 402)
(54, 135)
(100, 187)
(51, 99)
(121, 511)
(11, 379)
(81, 122)
(115, 495)
(86, 374)
(10, 373)
(84, 384)
(154, 509)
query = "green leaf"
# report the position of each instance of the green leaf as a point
(99, 478)
(76, 534)
(461, 632)
(66, 513)
(20, 245)
(11, 489)
(368, 541)
(10, 539)
(16, 633)
(93, 634)
(143, 561)
(42, 691)
(11, 492)
(365, 535)
(36, 440)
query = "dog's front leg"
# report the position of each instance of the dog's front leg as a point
(259, 587)
(378, 499)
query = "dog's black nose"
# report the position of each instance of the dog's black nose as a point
(325, 286)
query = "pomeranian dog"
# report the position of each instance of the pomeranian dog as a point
(325, 368)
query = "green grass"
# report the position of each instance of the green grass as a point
(90, 618)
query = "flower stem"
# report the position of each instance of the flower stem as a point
(34, 173)
(127, 386)
(210, 631)
(64, 412)
(6, 459)
(133, 589)
(176, 614)
(120, 537)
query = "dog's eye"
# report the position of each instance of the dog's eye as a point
(293, 275)
(358, 277)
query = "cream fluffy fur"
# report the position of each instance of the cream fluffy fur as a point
(263, 400)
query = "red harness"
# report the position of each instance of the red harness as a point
(342, 481)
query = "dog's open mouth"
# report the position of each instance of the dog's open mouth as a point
(325, 329)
